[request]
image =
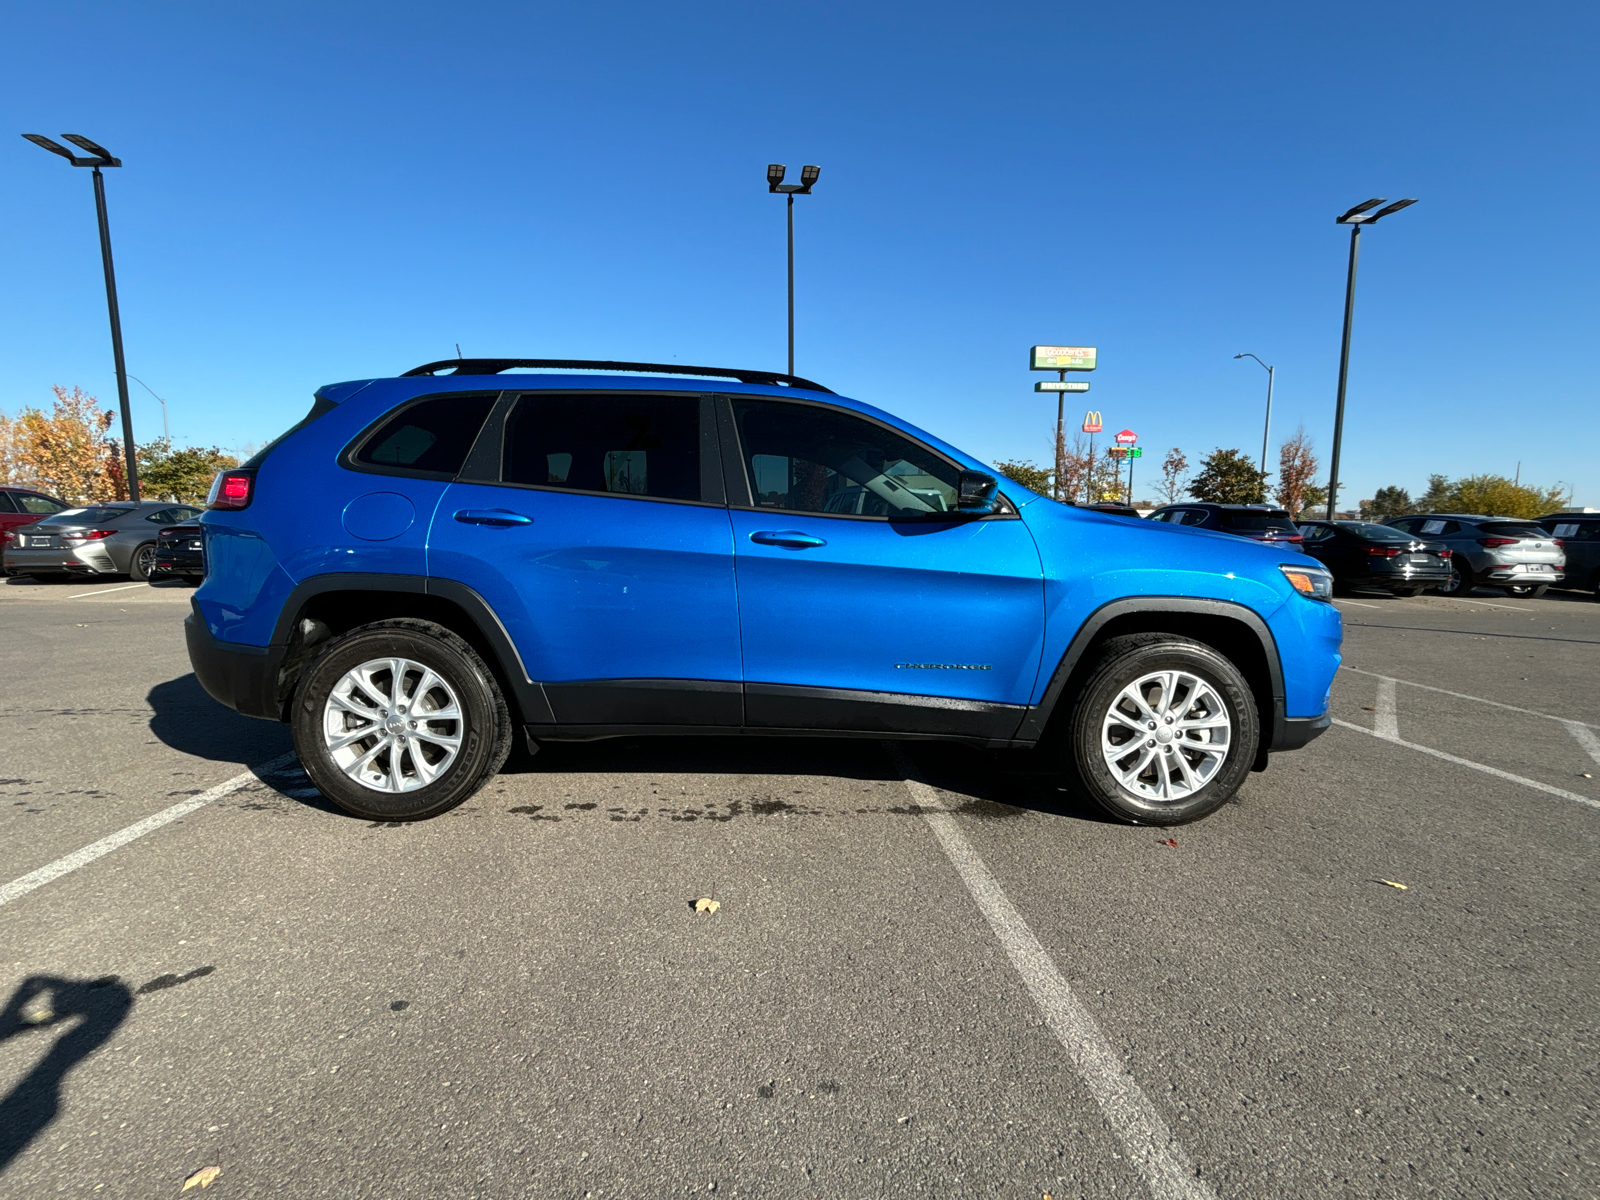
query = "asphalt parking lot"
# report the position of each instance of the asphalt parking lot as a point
(932, 972)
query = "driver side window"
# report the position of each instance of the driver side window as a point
(806, 458)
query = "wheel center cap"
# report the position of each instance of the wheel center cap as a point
(1163, 735)
(394, 724)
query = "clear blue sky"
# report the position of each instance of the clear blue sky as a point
(318, 192)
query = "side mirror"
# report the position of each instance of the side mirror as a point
(975, 493)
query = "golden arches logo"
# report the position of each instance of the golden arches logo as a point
(1091, 422)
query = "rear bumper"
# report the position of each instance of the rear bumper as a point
(1520, 573)
(245, 678)
(85, 560)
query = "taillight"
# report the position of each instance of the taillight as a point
(1383, 551)
(1492, 542)
(1295, 537)
(1444, 553)
(1559, 543)
(10, 536)
(232, 489)
(87, 535)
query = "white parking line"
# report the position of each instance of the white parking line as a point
(1485, 603)
(1586, 738)
(1476, 766)
(81, 858)
(1358, 603)
(1476, 699)
(1385, 719)
(1158, 1156)
(107, 591)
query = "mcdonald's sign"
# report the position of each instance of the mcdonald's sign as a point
(1091, 422)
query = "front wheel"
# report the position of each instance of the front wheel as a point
(143, 562)
(1460, 580)
(399, 720)
(1165, 730)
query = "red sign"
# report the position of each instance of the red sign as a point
(1091, 422)
(1127, 437)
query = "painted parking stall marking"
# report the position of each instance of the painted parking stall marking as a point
(1157, 1155)
(68, 863)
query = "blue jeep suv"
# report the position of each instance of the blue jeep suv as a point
(587, 550)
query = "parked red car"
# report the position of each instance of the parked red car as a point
(23, 506)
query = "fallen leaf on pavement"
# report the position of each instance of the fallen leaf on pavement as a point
(706, 904)
(1171, 842)
(201, 1178)
(1393, 884)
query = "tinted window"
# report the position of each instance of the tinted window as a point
(1316, 533)
(430, 438)
(1435, 527)
(1256, 522)
(6, 506)
(1575, 531)
(805, 458)
(625, 445)
(32, 503)
(1376, 533)
(169, 516)
(1517, 529)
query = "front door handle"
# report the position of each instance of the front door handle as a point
(500, 518)
(790, 539)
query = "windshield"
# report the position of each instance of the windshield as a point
(88, 516)
(1374, 532)
(1257, 522)
(1513, 529)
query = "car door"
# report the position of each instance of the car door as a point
(865, 601)
(593, 524)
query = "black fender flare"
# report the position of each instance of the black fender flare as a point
(528, 695)
(1033, 724)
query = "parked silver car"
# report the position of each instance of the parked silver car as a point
(1501, 552)
(100, 539)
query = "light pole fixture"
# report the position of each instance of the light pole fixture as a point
(1358, 216)
(776, 185)
(1266, 429)
(99, 157)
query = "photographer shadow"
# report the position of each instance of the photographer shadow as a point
(29, 1107)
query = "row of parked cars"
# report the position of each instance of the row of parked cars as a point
(1451, 553)
(47, 538)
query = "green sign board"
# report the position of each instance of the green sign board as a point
(1061, 358)
(1054, 385)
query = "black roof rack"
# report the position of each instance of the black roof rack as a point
(493, 366)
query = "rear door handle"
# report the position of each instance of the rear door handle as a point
(500, 518)
(790, 539)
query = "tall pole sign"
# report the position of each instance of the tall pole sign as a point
(1126, 439)
(1062, 359)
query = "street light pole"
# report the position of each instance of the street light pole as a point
(1266, 429)
(102, 158)
(1358, 216)
(775, 184)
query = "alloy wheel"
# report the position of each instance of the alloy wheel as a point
(1166, 735)
(392, 725)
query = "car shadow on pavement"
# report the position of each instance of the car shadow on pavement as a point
(991, 784)
(39, 1003)
(191, 722)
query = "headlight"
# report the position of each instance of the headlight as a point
(1309, 581)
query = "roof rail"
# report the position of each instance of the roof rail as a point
(493, 366)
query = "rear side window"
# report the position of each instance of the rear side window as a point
(28, 502)
(430, 438)
(1575, 531)
(6, 506)
(627, 445)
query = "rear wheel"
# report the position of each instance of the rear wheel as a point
(1165, 730)
(399, 720)
(1527, 591)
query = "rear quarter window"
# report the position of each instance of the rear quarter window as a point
(426, 437)
(1257, 522)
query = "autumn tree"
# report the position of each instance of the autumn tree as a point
(1173, 469)
(1229, 477)
(1497, 496)
(67, 453)
(1297, 467)
(1034, 478)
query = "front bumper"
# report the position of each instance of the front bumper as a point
(1296, 732)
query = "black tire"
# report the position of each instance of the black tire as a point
(1408, 593)
(1123, 661)
(142, 563)
(1461, 580)
(1527, 591)
(484, 729)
